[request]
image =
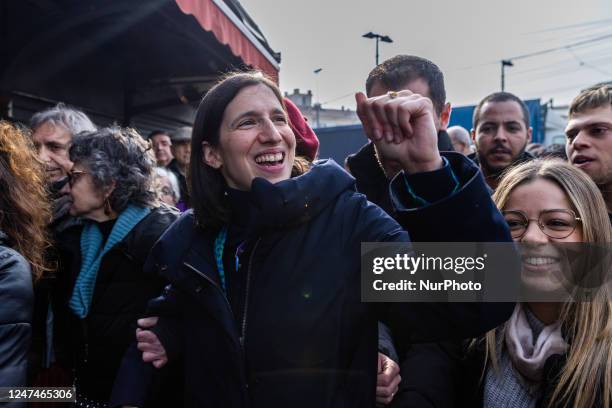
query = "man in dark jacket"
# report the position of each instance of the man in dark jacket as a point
(373, 169)
(53, 130)
(181, 151)
(501, 132)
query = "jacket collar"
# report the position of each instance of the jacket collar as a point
(299, 199)
(273, 206)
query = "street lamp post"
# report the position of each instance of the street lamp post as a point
(504, 64)
(378, 37)
(317, 105)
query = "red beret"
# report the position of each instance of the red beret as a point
(307, 141)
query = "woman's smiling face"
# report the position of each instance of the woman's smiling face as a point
(543, 262)
(255, 140)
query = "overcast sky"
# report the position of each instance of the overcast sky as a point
(465, 38)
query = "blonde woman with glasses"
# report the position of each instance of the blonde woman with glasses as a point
(548, 354)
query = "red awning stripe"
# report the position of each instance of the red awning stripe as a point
(216, 17)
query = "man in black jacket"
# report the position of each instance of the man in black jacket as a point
(373, 167)
(181, 150)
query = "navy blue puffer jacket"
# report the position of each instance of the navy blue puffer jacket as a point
(306, 339)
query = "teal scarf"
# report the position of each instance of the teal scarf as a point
(92, 253)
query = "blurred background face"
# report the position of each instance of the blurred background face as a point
(165, 191)
(182, 152)
(542, 262)
(52, 143)
(87, 199)
(589, 143)
(255, 140)
(460, 138)
(501, 135)
(162, 148)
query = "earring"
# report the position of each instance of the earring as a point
(107, 207)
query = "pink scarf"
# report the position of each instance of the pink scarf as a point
(529, 357)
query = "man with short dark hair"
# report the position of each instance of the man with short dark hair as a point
(589, 137)
(501, 131)
(181, 150)
(161, 144)
(374, 166)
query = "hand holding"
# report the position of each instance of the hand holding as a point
(152, 349)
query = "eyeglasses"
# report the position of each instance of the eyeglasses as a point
(167, 191)
(556, 224)
(74, 175)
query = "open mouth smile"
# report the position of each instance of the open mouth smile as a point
(271, 162)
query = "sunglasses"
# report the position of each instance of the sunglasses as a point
(74, 175)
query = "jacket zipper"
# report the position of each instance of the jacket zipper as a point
(229, 307)
(246, 296)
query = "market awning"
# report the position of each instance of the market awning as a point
(232, 29)
(140, 63)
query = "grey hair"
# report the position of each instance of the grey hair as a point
(120, 157)
(164, 172)
(462, 135)
(73, 120)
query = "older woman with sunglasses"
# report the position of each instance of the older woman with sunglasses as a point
(550, 353)
(111, 189)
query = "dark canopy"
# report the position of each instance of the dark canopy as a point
(139, 63)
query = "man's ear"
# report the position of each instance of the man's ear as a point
(473, 134)
(211, 156)
(445, 116)
(529, 135)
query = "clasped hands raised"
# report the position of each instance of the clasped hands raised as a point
(401, 126)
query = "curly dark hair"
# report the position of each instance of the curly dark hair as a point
(118, 156)
(25, 209)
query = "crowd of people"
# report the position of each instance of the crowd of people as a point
(219, 265)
